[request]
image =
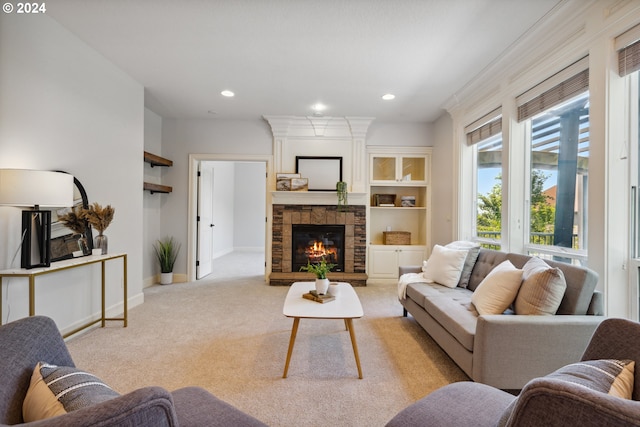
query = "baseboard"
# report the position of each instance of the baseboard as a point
(249, 249)
(155, 280)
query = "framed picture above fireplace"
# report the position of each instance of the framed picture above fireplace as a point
(322, 172)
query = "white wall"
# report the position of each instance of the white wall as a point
(400, 134)
(65, 107)
(442, 208)
(250, 205)
(152, 230)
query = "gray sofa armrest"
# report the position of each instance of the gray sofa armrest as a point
(554, 403)
(457, 404)
(197, 407)
(510, 350)
(409, 269)
(149, 406)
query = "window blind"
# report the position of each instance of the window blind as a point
(486, 126)
(628, 46)
(485, 131)
(629, 59)
(560, 87)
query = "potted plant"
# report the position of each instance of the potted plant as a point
(320, 270)
(166, 252)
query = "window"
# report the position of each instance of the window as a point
(559, 175)
(557, 122)
(487, 146)
(628, 47)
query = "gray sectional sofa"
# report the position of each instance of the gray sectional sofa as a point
(506, 350)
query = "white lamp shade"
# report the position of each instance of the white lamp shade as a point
(24, 187)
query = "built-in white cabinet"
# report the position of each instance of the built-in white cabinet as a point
(384, 260)
(399, 200)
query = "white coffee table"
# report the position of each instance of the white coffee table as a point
(346, 306)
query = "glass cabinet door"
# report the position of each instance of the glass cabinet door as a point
(413, 169)
(383, 169)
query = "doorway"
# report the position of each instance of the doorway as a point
(227, 209)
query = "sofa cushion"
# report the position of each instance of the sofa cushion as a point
(444, 266)
(56, 390)
(487, 260)
(542, 289)
(473, 249)
(419, 291)
(498, 290)
(455, 313)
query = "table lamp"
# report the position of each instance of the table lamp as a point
(23, 187)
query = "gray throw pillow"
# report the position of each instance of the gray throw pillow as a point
(470, 261)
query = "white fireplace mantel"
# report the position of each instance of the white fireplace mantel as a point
(315, 198)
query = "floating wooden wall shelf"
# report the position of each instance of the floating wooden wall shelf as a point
(157, 188)
(154, 160)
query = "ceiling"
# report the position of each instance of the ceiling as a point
(280, 57)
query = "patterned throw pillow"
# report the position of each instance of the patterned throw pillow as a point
(56, 390)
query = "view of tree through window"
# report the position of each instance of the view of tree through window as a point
(489, 191)
(559, 175)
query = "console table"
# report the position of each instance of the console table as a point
(31, 274)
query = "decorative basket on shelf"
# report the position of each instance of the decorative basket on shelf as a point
(396, 237)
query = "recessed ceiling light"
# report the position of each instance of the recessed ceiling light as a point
(388, 96)
(319, 107)
(227, 93)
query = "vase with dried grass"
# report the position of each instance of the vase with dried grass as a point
(99, 217)
(74, 221)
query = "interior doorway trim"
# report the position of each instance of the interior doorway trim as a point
(192, 210)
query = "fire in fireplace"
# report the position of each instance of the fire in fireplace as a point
(311, 243)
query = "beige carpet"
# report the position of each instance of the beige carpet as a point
(227, 334)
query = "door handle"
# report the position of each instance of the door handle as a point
(212, 225)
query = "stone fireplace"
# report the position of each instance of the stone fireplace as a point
(285, 269)
(316, 137)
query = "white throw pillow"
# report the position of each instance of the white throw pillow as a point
(498, 289)
(444, 266)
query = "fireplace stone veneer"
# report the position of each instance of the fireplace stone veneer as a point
(352, 217)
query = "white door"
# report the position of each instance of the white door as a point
(205, 222)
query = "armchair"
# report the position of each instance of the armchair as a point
(543, 401)
(25, 342)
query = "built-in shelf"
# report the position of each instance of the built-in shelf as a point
(154, 160)
(157, 188)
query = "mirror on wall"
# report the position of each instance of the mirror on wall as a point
(64, 241)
